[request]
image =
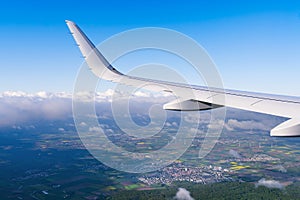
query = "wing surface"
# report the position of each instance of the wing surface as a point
(196, 97)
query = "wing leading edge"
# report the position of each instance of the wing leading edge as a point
(202, 97)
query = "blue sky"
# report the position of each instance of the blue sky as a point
(255, 44)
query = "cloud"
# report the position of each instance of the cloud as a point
(183, 194)
(20, 108)
(216, 124)
(234, 153)
(82, 124)
(233, 124)
(142, 94)
(16, 127)
(269, 184)
(280, 168)
(61, 129)
(171, 124)
(95, 129)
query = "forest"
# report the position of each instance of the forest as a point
(216, 191)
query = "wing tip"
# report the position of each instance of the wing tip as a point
(69, 22)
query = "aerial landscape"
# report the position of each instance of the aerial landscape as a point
(45, 159)
(71, 131)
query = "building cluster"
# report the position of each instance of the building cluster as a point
(179, 172)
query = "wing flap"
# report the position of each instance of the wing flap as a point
(189, 105)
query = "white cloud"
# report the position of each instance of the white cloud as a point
(234, 154)
(108, 92)
(280, 168)
(30, 127)
(216, 124)
(269, 183)
(13, 94)
(109, 130)
(82, 124)
(61, 129)
(16, 127)
(167, 124)
(194, 130)
(174, 124)
(95, 129)
(171, 124)
(142, 94)
(183, 194)
(190, 119)
(42, 94)
(18, 108)
(233, 124)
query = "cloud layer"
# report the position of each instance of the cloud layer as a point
(20, 108)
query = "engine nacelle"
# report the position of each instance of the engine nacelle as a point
(289, 128)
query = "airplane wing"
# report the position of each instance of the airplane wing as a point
(203, 98)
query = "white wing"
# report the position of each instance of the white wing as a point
(202, 98)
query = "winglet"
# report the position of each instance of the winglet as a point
(95, 60)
